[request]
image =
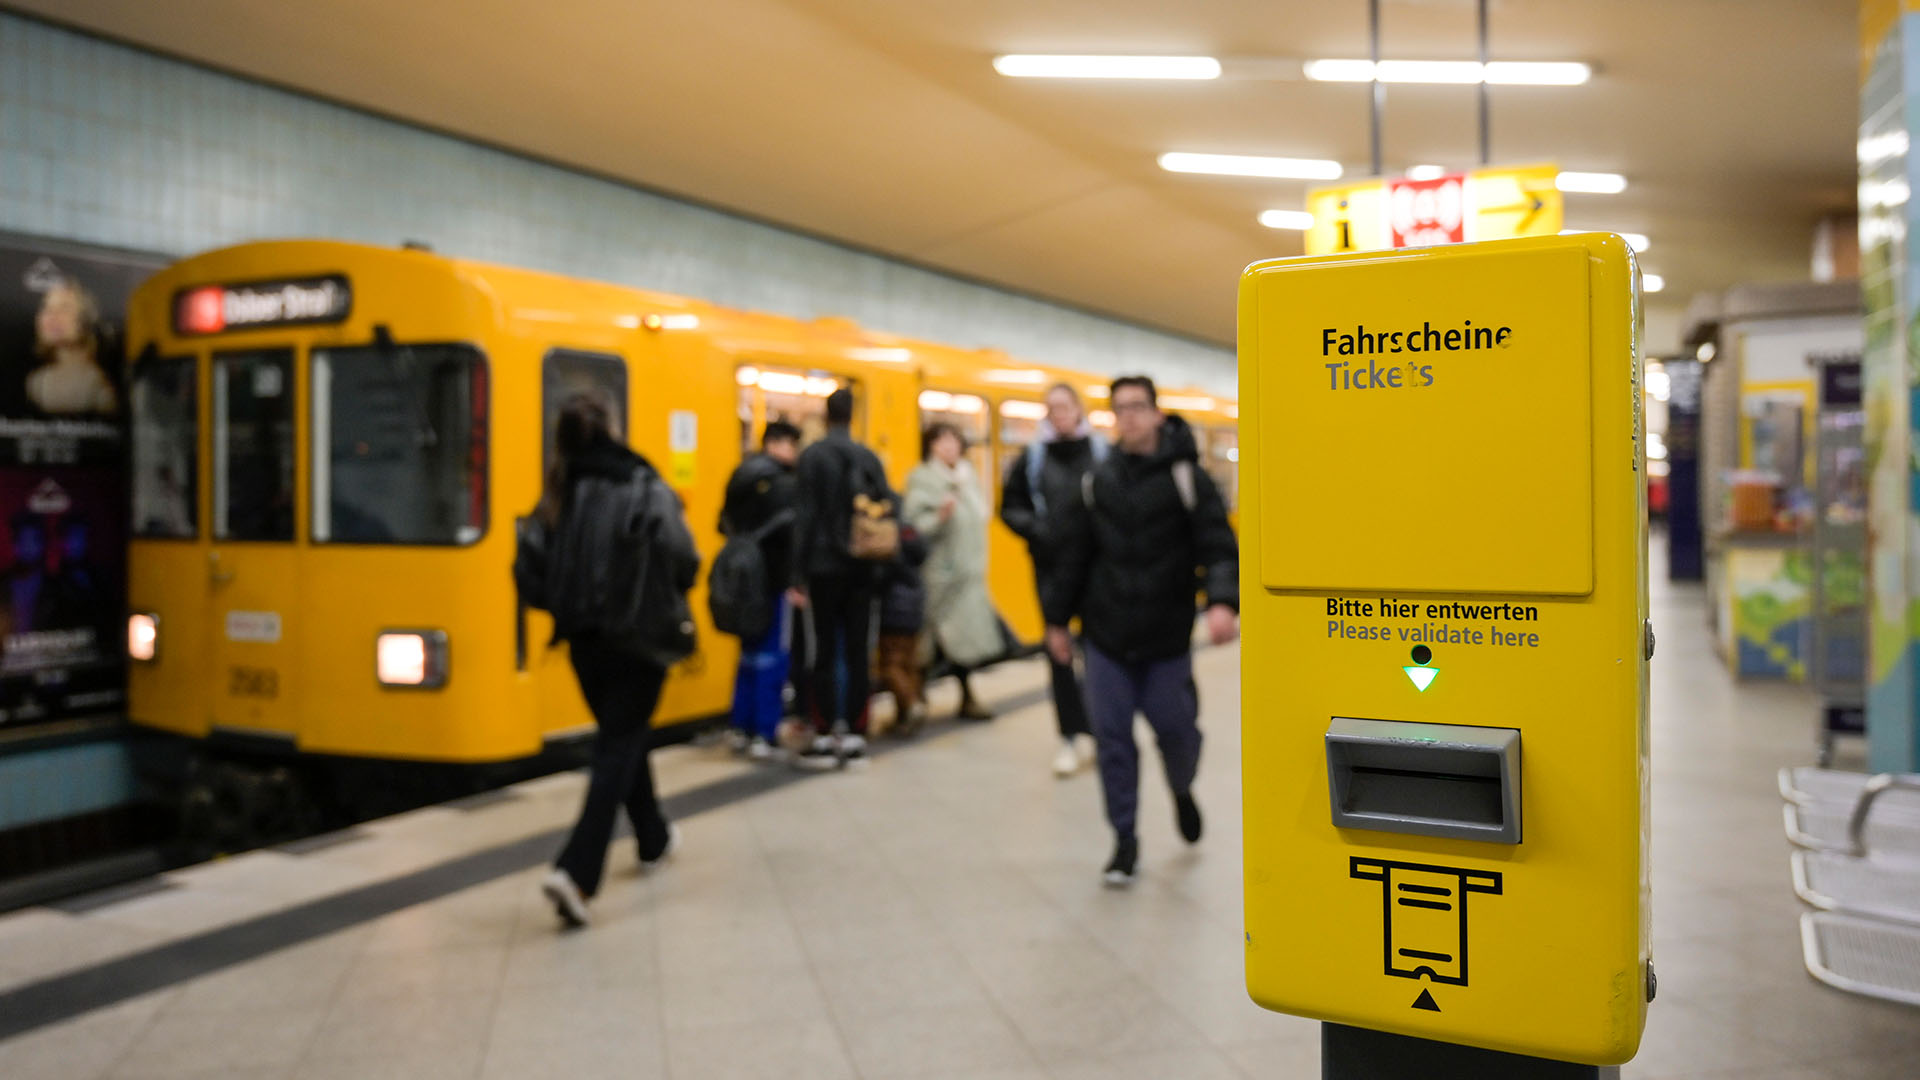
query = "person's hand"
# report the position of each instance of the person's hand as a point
(946, 509)
(1060, 644)
(797, 597)
(1222, 624)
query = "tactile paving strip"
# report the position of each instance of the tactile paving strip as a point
(1863, 956)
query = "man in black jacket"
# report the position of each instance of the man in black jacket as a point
(1149, 532)
(1045, 477)
(759, 492)
(835, 588)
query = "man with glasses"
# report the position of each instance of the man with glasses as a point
(1148, 534)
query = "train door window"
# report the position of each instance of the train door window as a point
(1019, 427)
(796, 396)
(253, 445)
(165, 399)
(399, 445)
(967, 413)
(566, 374)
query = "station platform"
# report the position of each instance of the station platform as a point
(939, 914)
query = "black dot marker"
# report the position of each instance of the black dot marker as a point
(1422, 654)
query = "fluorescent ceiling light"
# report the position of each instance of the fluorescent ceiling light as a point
(1458, 72)
(1652, 282)
(1426, 172)
(1278, 168)
(1286, 219)
(1591, 183)
(1028, 66)
(1537, 73)
(1637, 241)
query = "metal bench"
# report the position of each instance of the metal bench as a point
(1835, 882)
(1871, 825)
(1863, 956)
(1806, 785)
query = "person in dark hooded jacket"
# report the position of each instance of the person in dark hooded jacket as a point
(1148, 534)
(1047, 475)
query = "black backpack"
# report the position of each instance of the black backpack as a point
(739, 588)
(619, 566)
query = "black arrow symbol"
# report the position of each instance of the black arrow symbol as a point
(1425, 1001)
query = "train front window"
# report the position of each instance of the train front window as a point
(166, 439)
(253, 445)
(399, 445)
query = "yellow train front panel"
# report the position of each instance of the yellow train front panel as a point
(1444, 674)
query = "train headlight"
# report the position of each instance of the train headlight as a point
(143, 636)
(412, 659)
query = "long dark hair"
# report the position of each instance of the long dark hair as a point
(584, 424)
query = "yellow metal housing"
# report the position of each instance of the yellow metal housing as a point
(1443, 451)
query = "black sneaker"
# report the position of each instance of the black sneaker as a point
(1187, 812)
(1120, 869)
(819, 756)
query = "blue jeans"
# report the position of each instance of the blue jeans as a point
(762, 676)
(1163, 690)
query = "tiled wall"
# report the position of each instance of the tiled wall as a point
(109, 145)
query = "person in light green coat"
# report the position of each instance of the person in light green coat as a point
(945, 505)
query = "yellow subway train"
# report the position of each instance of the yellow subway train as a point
(331, 441)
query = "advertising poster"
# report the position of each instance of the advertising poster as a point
(63, 490)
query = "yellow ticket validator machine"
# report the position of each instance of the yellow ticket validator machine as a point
(1444, 707)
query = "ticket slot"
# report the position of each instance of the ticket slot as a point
(1442, 780)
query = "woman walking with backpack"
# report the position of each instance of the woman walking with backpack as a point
(620, 646)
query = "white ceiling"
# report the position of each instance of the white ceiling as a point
(881, 122)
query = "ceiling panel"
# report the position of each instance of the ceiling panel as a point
(882, 123)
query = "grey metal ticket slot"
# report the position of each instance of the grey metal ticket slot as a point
(1425, 779)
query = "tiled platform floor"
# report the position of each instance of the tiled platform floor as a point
(936, 916)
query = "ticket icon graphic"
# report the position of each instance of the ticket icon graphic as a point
(1424, 915)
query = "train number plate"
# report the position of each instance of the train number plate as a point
(253, 682)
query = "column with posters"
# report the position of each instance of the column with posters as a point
(63, 501)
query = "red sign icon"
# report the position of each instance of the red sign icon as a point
(1425, 212)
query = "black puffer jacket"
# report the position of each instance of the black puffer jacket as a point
(830, 473)
(1131, 564)
(1031, 517)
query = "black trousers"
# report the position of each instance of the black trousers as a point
(841, 607)
(1069, 701)
(621, 689)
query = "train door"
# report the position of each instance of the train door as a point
(168, 595)
(252, 566)
(565, 374)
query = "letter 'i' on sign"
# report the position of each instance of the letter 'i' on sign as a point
(1460, 863)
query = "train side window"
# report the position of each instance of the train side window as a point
(797, 397)
(566, 373)
(253, 445)
(1019, 427)
(399, 445)
(165, 398)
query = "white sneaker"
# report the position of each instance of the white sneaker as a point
(1083, 744)
(1067, 761)
(673, 845)
(853, 751)
(762, 750)
(737, 741)
(559, 888)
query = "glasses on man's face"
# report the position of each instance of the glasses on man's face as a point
(1132, 406)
